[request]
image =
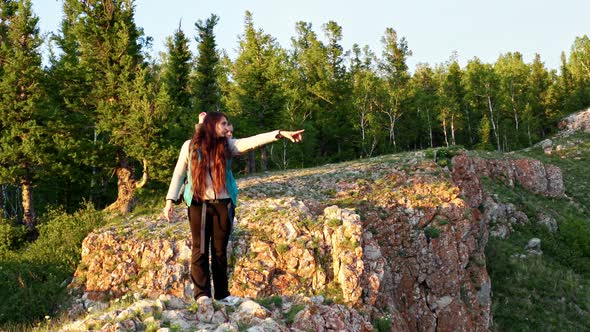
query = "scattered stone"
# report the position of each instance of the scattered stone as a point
(176, 318)
(548, 221)
(205, 311)
(546, 144)
(533, 247)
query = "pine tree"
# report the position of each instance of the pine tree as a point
(77, 148)
(25, 139)
(176, 80)
(306, 70)
(108, 50)
(335, 120)
(206, 88)
(484, 134)
(257, 94)
(318, 92)
(579, 66)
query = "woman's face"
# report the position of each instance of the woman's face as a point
(222, 127)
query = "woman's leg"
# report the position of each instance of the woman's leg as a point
(199, 262)
(221, 231)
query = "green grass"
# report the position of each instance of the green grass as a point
(382, 324)
(571, 244)
(432, 232)
(271, 303)
(550, 292)
(34, 275)
(536, 293)
(290, 315)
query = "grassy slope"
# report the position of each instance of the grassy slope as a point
(551, 292)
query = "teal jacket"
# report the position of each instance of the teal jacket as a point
(230, 184)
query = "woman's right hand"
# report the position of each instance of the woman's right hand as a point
(168, 210)
(293, 136)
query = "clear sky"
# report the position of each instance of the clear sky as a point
(432, 28)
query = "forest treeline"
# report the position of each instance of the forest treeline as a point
(103, 117)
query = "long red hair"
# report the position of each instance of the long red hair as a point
(214, 154)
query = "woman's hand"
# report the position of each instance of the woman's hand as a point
(293, 136)
(168, 210)
(202, 117)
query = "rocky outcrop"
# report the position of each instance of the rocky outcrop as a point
(434, 245)
(144, 256)
(290, 250)
(342, 246)
(394, 239)
(531, 174)
(579, 121)
(565, 144)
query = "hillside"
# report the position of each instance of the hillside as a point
(424, 241)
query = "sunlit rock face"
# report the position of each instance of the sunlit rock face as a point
(579, 121)
(397, 237)
(531, 174)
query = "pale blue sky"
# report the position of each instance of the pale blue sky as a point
(432, 28)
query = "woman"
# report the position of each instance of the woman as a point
(211, 193)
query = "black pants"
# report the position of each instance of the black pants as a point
(218, 226)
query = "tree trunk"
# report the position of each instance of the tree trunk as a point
(444, 124)
(3, 201)
(263, 159)
(363, 147)
(125, 189)
(29, 217)
(453, 142)
(515, 114)
(284, 154)
(491, 109)
(429, 127)
(469, 126)
(126, 185)
(392, 135)
(251, 162)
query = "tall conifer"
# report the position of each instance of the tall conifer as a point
(206, 88)
(108, 46)
(257, 95)
(24, 136)
(176, 79)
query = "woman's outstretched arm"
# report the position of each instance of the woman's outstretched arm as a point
(241, 145)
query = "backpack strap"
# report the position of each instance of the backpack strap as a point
(203, 222)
